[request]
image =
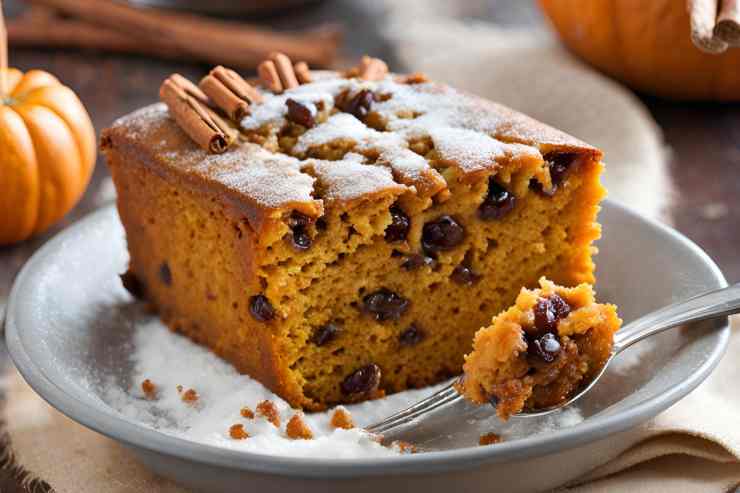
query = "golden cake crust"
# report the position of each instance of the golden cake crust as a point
(151, 137)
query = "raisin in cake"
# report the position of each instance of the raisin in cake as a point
(358, 233)
(541, 351)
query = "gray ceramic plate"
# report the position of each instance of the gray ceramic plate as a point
(67, 334)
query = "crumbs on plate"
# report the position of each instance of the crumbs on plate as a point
(298, 429)
(237, 432)
(190, 396)
(149, 389)
(269, 410)
(342, 419)
(489, 439)
(404, 447)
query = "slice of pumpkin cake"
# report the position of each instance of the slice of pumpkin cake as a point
(348, 236)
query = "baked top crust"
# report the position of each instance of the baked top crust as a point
(470, 133)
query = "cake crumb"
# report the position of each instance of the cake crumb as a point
(247, 412)
(237, 432)
(404, 447)
(268, 409)
(342, 419)
(179, 389)
(489, 439)
(298, 429)
(190, 396)
(149, 389)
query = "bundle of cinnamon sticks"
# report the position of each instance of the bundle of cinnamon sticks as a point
(715, 24)
(210, 112)
(116, 27)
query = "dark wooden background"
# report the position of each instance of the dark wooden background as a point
(704, 138)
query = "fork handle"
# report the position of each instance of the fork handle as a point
(712, 304)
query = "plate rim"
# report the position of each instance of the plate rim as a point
(109, 423)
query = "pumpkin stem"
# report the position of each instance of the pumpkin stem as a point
(3, 55)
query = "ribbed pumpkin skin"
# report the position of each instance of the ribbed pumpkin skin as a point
(647, 45)
(47, 154)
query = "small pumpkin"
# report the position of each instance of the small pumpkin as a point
(47, 153)
(646, 44)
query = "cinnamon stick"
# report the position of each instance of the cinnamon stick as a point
(39, 13)
(3, 55)
(278, 74)
(230, 92)
(703, 15)
(372, 68)
(216, 41)
(285, 70)
(70, 33)
(302, 73)
(728, 22)
(268, 74)
(188, 105)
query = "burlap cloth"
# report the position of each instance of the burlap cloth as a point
(694, 446)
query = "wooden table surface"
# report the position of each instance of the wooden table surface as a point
(704, 138)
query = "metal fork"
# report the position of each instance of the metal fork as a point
(709, 305)
(442, 398)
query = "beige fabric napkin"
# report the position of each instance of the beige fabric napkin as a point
(693, 446)
(50, 452)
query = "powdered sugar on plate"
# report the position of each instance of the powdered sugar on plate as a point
(174, 365)
(172, 362)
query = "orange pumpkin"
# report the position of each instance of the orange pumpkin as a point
(647, 45)
(47, 153)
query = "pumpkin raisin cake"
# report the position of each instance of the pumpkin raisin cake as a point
(541, 351)
(357, 234)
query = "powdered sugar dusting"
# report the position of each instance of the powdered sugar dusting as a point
(141, 120)
(391, 148)
(471, 150)
(411, 169)
(341, 126)
(459, 127)
(407, 162)
(350, 179)
(269, 178)
(466, 132)
(272, 111)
